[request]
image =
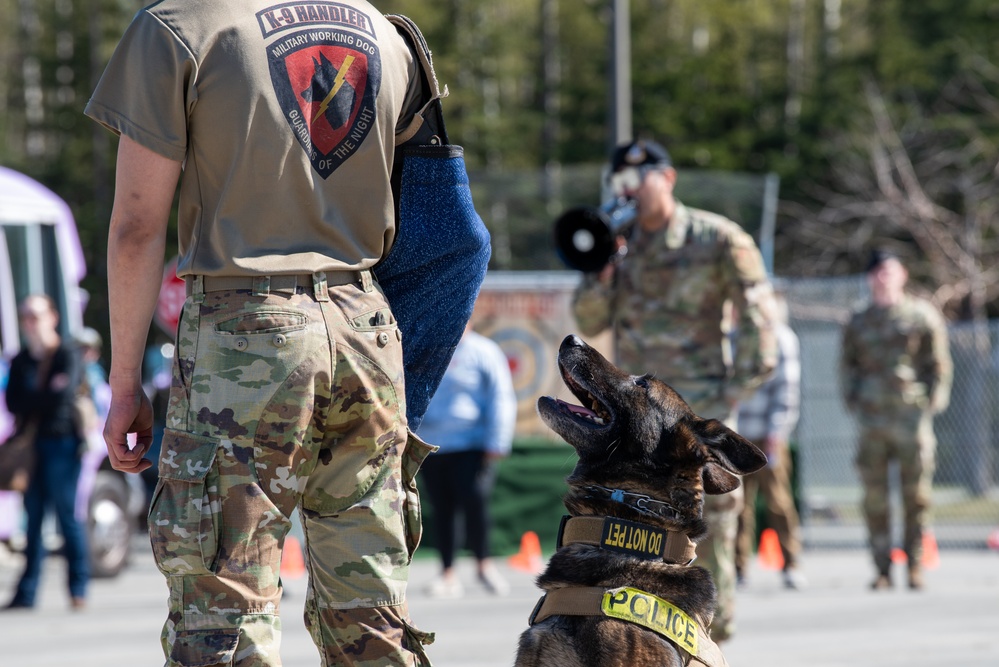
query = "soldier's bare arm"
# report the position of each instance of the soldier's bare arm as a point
(144, 187)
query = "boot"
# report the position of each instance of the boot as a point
(883, 581)
(915, 576)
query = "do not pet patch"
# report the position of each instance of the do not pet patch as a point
(633, 538)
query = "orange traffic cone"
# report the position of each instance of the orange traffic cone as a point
(769, 554)
(931, 555)
(528, 558)
(993, 540)
(292, 560)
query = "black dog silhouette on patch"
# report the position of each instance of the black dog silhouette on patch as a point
(331, 88)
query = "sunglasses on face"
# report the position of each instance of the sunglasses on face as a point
(628, 179)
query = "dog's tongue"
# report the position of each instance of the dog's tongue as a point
(578, 409)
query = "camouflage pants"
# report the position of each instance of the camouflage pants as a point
(774, 483)
(908, 438)
(716, 552)
(280, 399)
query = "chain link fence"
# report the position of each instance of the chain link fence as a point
(520, 208)
(966, 492)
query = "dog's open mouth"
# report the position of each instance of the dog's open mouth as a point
(596, 414)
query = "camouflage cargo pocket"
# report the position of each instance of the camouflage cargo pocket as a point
(416, 453)
(184, 512)
(415, 640)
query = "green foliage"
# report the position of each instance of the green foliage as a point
(53, 52)
(744, 85)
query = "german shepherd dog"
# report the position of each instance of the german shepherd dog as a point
(620, 589)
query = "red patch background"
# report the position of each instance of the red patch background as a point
(301, 67)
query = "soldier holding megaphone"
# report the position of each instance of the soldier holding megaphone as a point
(688, 300)
(588, 238)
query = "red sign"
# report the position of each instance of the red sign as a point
(173, 293)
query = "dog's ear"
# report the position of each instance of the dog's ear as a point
(717, 480)
(729, 450)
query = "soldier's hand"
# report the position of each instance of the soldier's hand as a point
(773, 446)
(130, 412)
(607, 273)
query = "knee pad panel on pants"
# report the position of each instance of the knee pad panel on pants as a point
(204, 648)
(367, 637)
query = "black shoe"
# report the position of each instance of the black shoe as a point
(882, 583)
(16, 604)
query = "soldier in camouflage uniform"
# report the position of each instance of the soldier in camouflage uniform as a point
(689, 302)
(895, 375)
(288, 376)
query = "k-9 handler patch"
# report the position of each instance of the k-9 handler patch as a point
(326, 71)
(654, 613)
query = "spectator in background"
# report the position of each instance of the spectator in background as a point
(96, 378)
(157, 374)
(44, 377)
(768, 418)
(895, 373)
(471, 418)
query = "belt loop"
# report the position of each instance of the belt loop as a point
(367, 283)
(261, 285)
(196, 288)
(319, 288)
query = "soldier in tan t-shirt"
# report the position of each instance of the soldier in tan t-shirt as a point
(280, 120)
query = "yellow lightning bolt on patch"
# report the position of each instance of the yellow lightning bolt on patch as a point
(341, 76)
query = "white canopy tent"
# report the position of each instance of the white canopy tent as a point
(39, 252)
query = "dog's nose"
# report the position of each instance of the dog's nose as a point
(572, 341)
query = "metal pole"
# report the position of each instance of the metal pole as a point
(620, 102)
(768, 220)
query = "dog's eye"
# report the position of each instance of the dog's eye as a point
(643, 381)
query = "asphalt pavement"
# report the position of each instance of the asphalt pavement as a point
(835, 622)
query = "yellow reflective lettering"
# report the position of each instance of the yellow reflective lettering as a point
(620, 598)
(689, 636)
(639, 606)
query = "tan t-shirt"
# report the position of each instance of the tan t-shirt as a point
(285, 116)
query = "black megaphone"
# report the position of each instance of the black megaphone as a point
(585, 237)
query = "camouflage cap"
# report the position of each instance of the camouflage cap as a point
(640, 153)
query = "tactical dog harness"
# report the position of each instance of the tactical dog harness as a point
(625, 603)
(639, 607)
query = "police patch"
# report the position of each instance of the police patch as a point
(326, 81)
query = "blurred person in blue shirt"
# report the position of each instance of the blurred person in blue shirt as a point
(471, 418)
